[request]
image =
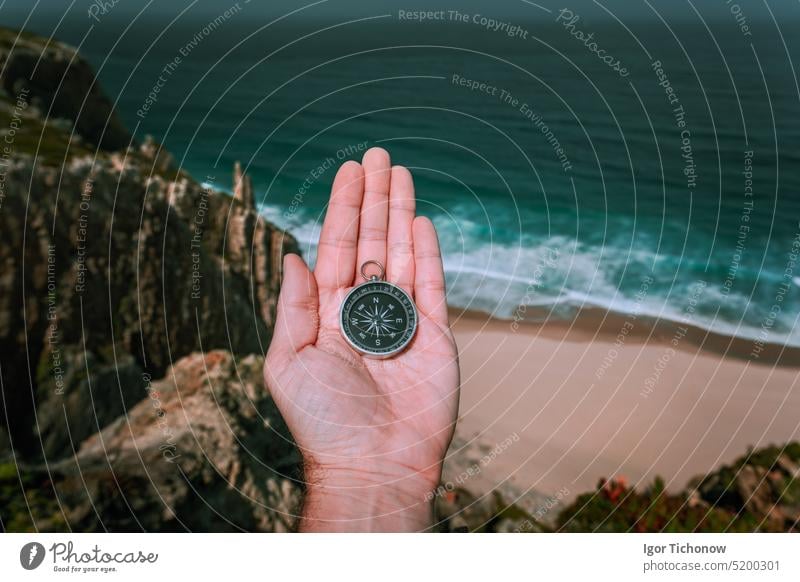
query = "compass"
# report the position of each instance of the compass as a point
(377, 318)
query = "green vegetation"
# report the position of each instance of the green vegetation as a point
(36, 509)
(760, 491)
(614, 507)
(50, 145)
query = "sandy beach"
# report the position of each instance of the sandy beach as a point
(586, 404)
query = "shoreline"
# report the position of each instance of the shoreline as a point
(592, 324)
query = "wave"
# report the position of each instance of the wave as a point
(558, 276)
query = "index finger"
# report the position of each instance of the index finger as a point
(336, 254)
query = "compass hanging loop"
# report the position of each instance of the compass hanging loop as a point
(372, 277)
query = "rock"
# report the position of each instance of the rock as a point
(748, 482)
(117, 270)
(115, 258)
(77, 404)
(206, 450)
(52, 77)
(163, 161)
(694, 499)
(475, 495)
(243, 187)
(788, 466)
(459, 511)
(753, 486)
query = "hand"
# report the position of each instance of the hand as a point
(373, 433)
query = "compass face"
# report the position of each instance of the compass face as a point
(378, 319)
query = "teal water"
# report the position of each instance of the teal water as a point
(620, 217)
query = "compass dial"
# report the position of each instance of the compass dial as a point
(378, 319)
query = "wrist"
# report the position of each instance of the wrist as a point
(366, 496)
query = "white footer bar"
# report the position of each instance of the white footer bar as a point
(389, 557)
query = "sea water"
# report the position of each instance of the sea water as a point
(555, 182)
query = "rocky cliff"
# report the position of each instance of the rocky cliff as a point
(135, 305)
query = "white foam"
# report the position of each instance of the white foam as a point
(563, 275)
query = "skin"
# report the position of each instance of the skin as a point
(373, 433)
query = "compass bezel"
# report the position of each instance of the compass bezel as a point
(384, 288)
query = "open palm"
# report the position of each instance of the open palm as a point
(379, 422)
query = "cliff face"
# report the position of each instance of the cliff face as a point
(209, 454)
(117, 270)
(52, 77)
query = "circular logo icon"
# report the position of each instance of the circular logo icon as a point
(31, 555)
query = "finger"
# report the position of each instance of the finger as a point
(429, 287)
(336, 255)
(400, 240)
(297, 319)
(374, 219)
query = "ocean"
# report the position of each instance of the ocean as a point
(645, 167)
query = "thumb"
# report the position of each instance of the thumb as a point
(297, 321)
